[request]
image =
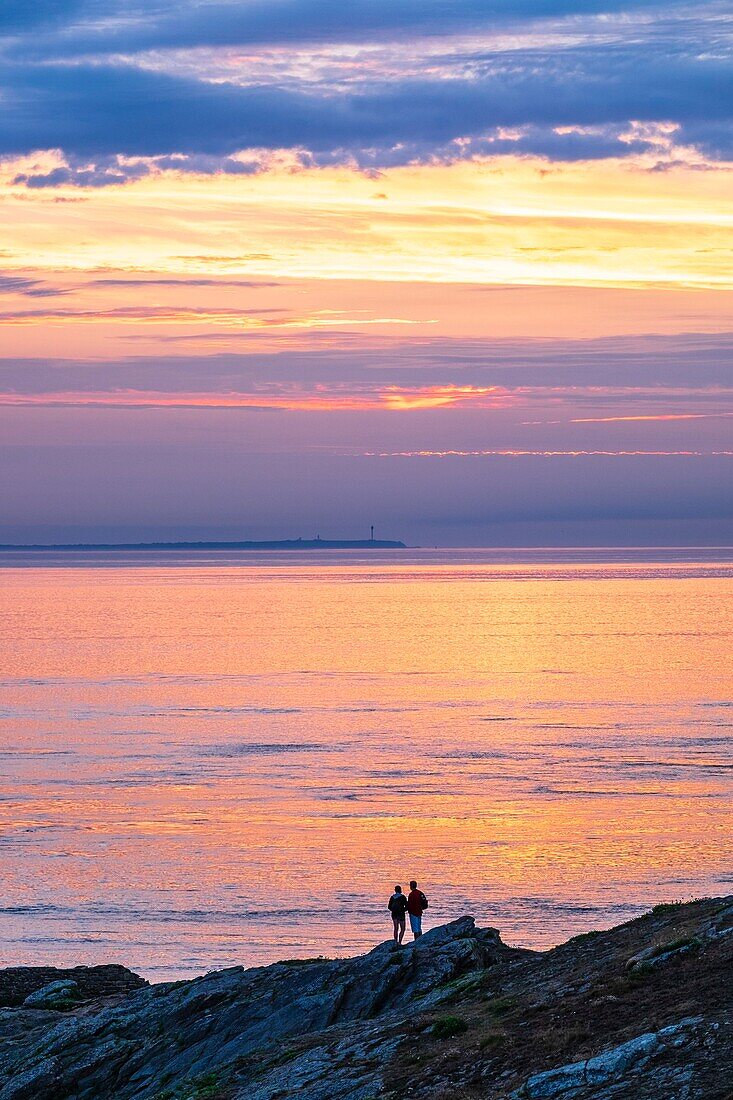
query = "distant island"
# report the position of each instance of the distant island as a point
(274, 544)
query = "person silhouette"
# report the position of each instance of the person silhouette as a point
(397, 906)
(417, 903)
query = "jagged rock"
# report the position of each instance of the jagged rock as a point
(536, 1025)
(56, 995)
(185, 1029)
(18, 982)
(609, 1066)
(39, 1080)
(660, 955)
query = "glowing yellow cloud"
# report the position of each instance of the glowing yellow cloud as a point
(515, 220)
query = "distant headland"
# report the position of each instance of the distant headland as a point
(269, 544)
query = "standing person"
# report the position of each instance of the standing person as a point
(417, 903)
(397, 906)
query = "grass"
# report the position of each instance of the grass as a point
(282, 1058)
(646, 965)
(445, 1027)
(66, 1005)
(583, 936)
(666, 907)
(558, 1040)
(205, 1087)
(304, 962)
(637, 975)
(450, 991)
(677, 945)
(492, 1039)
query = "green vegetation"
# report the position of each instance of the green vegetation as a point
(66, 1005)
(666, 907)
(304, 962)
(689, 943)
(677, 945)
(492, 1039)
(205, 1087)
(445, 1027)
(450, 991)
(637, 974)
(558, 1040)
(582, 936)
(281, 1058)
(499, 1006)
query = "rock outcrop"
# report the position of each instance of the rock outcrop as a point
(614, 1065)
(17, 983)
(642, 1012)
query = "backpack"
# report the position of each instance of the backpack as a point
(423, 900)
(397, 905)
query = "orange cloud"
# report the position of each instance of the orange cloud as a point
(648, 416)
(185, 315)
(432, 397)
(639, 393)
(320, 399)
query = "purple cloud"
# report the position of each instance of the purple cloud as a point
(96, 112)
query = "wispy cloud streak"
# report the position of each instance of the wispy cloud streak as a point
(544, 454)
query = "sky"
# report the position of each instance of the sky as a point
(273, 268)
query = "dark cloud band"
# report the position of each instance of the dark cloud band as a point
(567, 102)
(75, 27)
(102, 110)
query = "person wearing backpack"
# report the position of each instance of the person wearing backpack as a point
(417, 903)
(397, 906)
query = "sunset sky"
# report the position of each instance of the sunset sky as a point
(458, 269)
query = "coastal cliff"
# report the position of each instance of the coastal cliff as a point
(641, 1012)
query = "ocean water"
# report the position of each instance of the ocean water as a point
(220, 759)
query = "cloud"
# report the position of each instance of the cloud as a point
(29, 288)
(647, 416)
(21, 16)
(156, 315)
(183, 486)
(543, 454)
(106, 172)
(655, 379)
(120, 26)
(111, 171)
(318, 398)
(183, 281)
(574, 102)
(230, 322)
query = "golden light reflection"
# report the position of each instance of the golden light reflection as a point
(212, 733)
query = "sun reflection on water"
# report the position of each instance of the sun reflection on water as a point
(209, 767)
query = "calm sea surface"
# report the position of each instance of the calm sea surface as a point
(217, 759)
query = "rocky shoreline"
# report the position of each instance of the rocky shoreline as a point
(640, 1012)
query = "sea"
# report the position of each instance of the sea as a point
(211, 759)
